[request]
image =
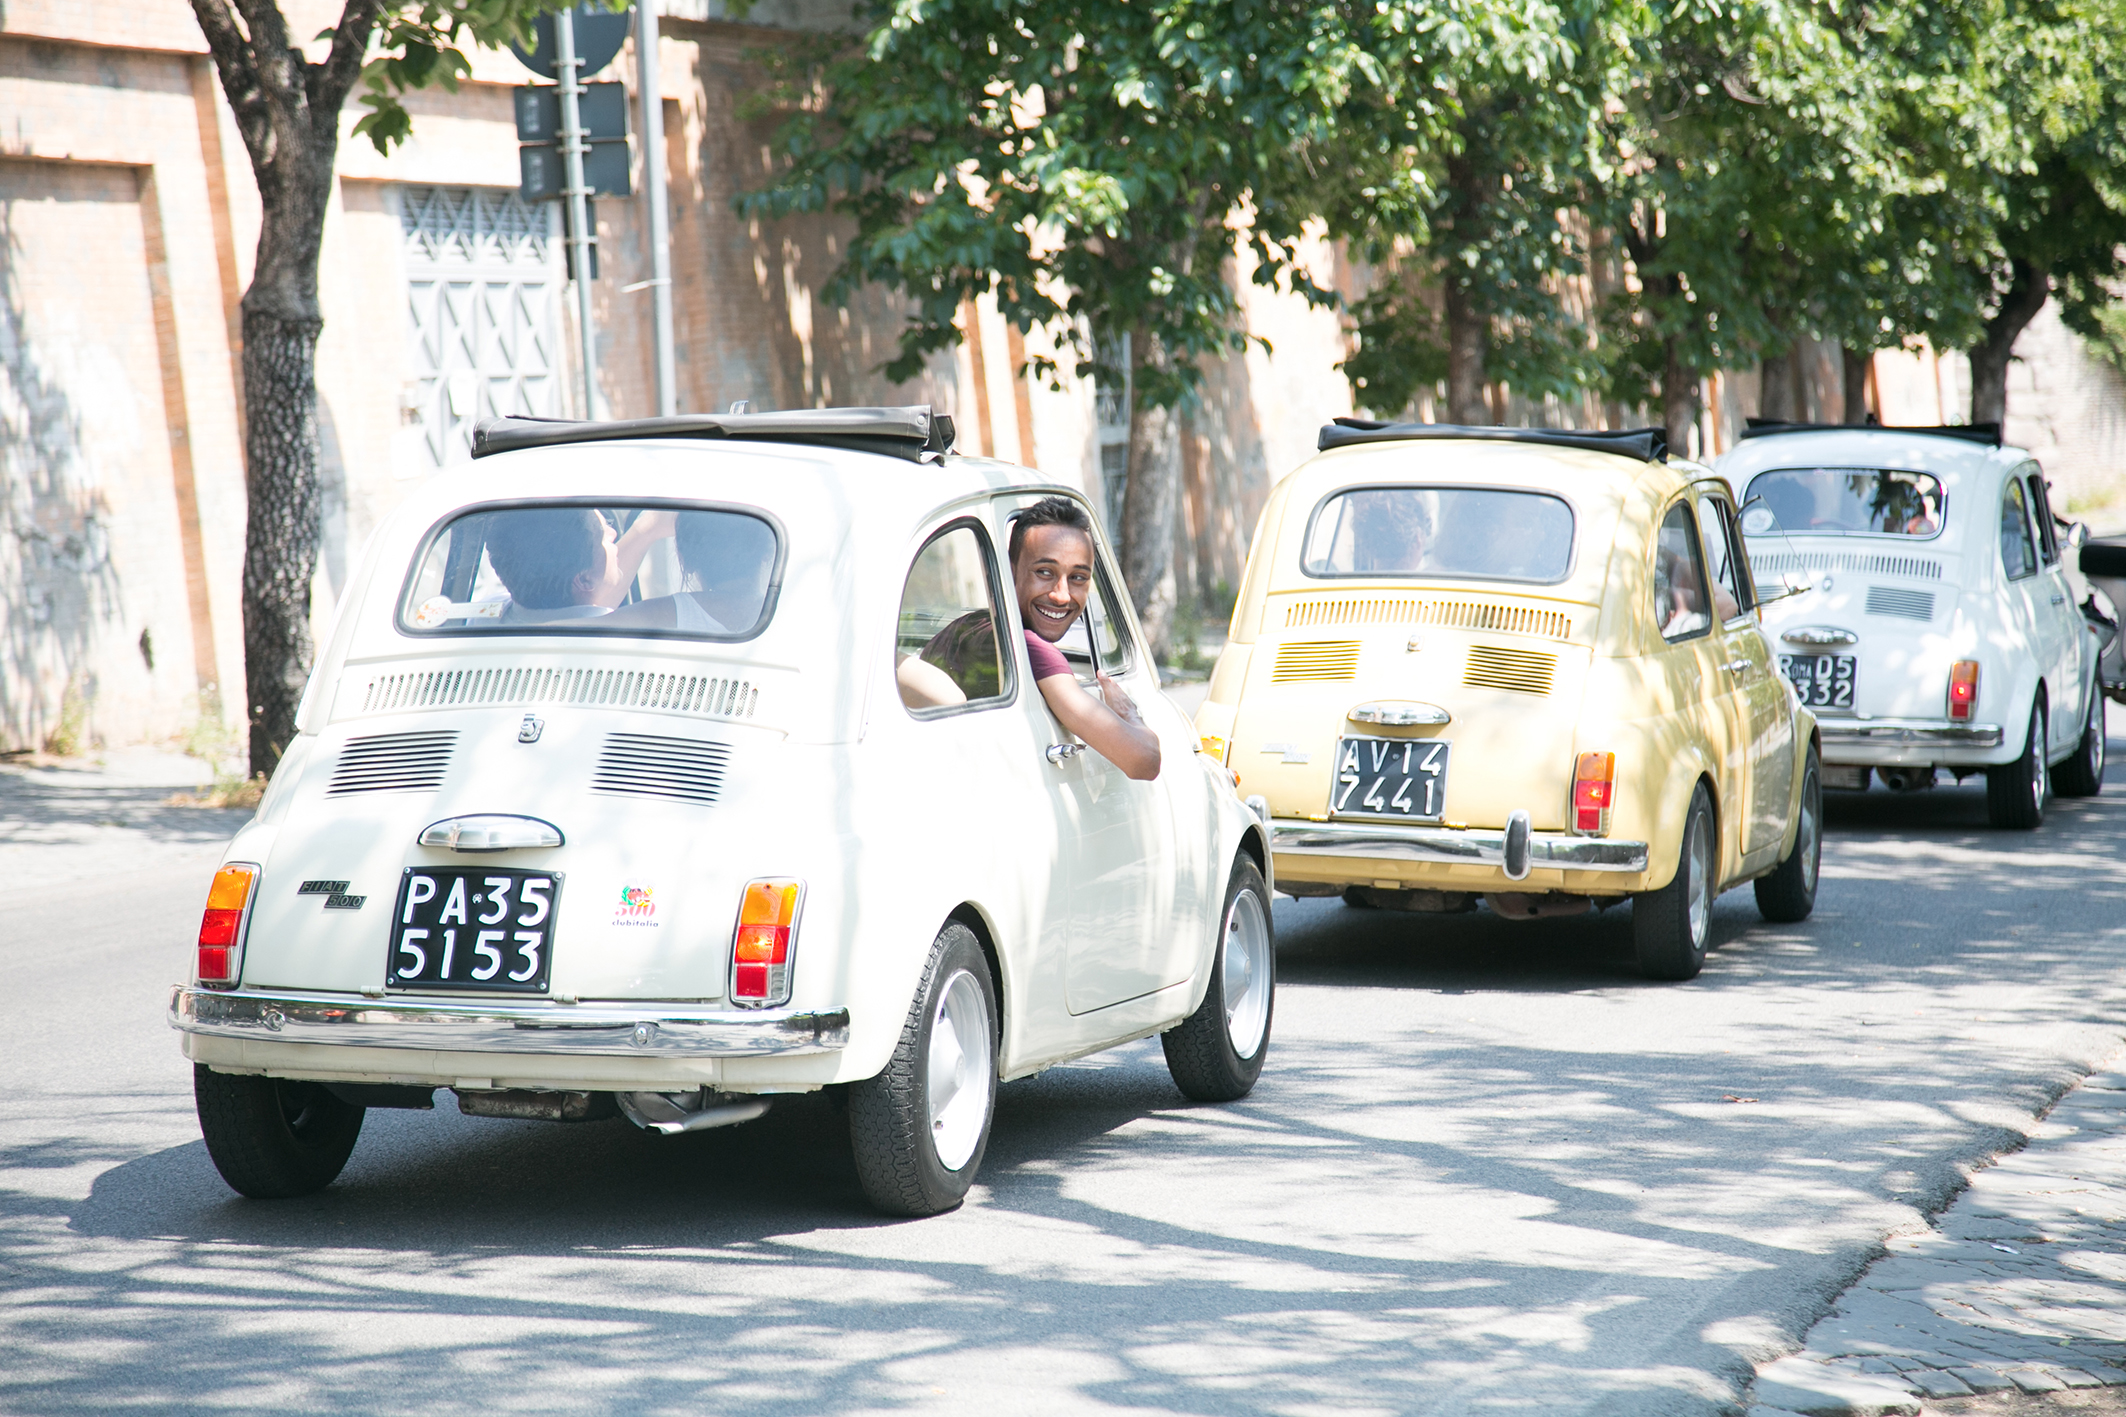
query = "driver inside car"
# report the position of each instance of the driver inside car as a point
(567, 563)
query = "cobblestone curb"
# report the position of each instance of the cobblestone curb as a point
(2020, 1285)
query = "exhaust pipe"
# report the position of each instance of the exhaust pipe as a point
(674, 1112)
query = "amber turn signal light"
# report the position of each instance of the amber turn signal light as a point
(221, 927)
(1963, 689)
(761, 949)
(1594, 777)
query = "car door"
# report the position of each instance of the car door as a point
(1758, 692)
(967, 769)
(2025, 593)
(2063, 619)
(1695, 662)
(1115, 837)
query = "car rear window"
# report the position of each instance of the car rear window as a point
(596, 568)
(1856, 500)
(1477, 533)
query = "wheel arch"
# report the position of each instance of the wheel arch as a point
(977, 922)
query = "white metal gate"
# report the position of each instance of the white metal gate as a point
(483, 284)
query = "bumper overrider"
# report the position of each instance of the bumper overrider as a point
(576, 1030)
(1515, 852)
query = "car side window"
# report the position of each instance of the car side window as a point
(2041, 508)
(1680, 607)
(947, 653)
(1720, 558)
(2016, 554)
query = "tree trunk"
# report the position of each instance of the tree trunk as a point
(281, 530)
(1856, 383)
(2027, 291)
(1679, 397)
(1468, 341)
(1149, 499)
(1775, 388)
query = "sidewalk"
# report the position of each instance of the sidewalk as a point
(67, 821)
(2014, 1305)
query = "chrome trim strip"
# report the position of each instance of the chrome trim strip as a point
(1457, 846)
(617, 1029)
(1910, 730)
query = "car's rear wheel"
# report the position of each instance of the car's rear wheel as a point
(920, 1127)
(1789, 893)
(1216, 1053)
(1671, 926)
(2015, 792)
(271, 1138)
(2083, 774)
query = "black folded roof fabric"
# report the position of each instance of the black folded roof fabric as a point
(1987, 434)
(908, 433)
(1645, 444)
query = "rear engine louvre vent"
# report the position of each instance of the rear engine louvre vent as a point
(603, 688)
(1911, 604)
(1917, 567)
(1520, 670)
(1456, 614)
(392, 762)
(648, 765)
(1315, 659)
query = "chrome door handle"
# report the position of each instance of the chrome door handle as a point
(1739, 666)
(1061, 753)
(2058, 599)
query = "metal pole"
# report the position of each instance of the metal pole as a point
(579, 236)
(653, 192)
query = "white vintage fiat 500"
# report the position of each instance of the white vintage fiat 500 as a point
(610, 798)
(1939, 628)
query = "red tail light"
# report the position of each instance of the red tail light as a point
(221, 928)
(1594, 778)
(1963, 689)
(761, 950)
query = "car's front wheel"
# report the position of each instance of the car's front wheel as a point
(2083, 774)
(2015, 792)
(1789, 893)
(1216, 1053)
(920, 1127)
(1672, 926)
(272, 1138)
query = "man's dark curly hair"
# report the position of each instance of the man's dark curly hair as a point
(1049, 511)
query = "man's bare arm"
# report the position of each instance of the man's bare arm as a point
(1114, 730)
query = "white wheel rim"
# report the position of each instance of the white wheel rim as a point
(2095, 731)
(1699, 864)
(959, 1068)
(1245, 972)
(2039, 776)
(1811, 828)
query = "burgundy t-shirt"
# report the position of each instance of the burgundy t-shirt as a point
(1048, 661)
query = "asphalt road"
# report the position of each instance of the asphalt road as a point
(1488, 1169)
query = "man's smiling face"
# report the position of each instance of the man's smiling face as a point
(1054, 574)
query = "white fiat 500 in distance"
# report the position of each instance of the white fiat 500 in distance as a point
(1938, 628)
(611, 797)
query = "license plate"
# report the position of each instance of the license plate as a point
(473, 929)
(1390, 777)
(1821, 680)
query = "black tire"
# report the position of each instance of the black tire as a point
(273, 1139)
(1671, 926)
(1789, 893)
(2016, 792)
(2083, 774)
(893, 1128)
(1216, 1053)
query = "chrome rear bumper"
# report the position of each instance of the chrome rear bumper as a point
(1906, 732)
(611, 1029)
(1454, 846)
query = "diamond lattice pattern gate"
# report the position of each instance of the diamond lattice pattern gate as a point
(483, 280)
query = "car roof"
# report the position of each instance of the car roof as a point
(1915, 450)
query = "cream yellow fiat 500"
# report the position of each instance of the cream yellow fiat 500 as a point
(1516, 666)
(655, 770)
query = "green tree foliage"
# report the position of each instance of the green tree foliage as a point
(1095, 165)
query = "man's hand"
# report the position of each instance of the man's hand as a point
(1114, 730)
